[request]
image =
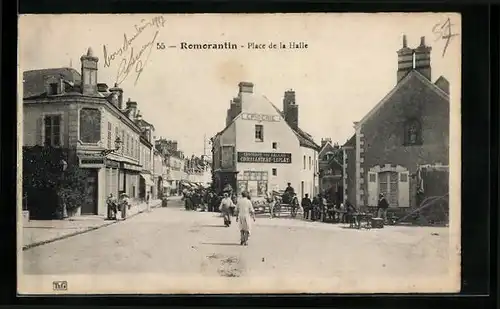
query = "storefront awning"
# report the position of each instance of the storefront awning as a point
(147, 179)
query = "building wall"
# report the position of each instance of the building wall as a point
(33, 134)
(308, 172)
(383, 133)
(279, 132)
(350, 175)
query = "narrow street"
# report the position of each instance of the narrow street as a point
(176, 242)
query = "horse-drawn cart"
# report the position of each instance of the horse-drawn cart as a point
(282, 202)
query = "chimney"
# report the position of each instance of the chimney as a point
(89, 73)
(423, 59)
(292, 116)
(288, 100)
(132, 108)
(138, 115)
(405, 60)
(117, 96)
(246, 87)
(245, 91)
(102, 87)
(325, 140)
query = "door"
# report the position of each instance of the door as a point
(301, 189)
(89, 205)
(388, 185)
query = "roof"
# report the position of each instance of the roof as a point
(305, 139)
(143, 123)
(405, 80)
(34, 80)
(350, 142)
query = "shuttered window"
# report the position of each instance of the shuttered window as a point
(52, 130)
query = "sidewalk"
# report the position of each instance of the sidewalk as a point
(40, 232)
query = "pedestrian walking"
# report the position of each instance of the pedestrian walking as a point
(124, 205)
(112, 207)
(244, 215)
(224, 207)
(148, 205)
(382, 207)
(306, 205)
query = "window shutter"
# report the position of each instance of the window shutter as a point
(404, 189)
(372, 189)
(39, 128)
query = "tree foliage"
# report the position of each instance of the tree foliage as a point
(43, 175)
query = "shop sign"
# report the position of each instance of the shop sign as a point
(260, 117)
(131, 167)
(112, 164)
(264, 157)
(91, 162)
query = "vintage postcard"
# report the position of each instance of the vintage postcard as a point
(239, 153)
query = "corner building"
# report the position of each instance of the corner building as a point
(262, 148)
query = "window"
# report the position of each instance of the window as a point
(413, 132)
(90, 125)
(310, 163)
(123, 141)
(373, 178)
(304, 162)
(404, 177)
(259, 133)
(275, 145)
(109, 135)
(52, 125)
(54, 88)
(275, 172)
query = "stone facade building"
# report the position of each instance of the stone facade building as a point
(330, 170)
(407, 129)
(69, 110)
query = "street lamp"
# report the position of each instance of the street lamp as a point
(118, 143)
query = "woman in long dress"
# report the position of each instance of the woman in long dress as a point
(245, 214)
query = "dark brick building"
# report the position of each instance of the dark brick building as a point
(407, 129)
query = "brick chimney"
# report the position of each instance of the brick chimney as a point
(89, 73)
(291, 109)
(288, 99)
(132, 109)
(405, 60)
(117, 96)
(423, 59)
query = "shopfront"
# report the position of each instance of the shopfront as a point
(94, 164)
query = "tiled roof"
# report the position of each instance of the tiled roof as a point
(34, 80)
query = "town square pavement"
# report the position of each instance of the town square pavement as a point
(175, 242)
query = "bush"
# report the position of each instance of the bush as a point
(47, 186)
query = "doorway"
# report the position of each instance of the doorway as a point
(388, 184)
(89, 204)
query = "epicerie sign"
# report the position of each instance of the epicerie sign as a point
(264, 157)
(260, 117)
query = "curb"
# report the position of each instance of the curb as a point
(44, 242)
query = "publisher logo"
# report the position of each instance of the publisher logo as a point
(60, 285)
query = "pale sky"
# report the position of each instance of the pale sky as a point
(349, 66)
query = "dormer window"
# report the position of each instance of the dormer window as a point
(413, 133)
(53, 88)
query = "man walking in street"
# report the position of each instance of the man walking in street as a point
(148, 206)
(225, 207)
(382, 207)
(306, 205)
